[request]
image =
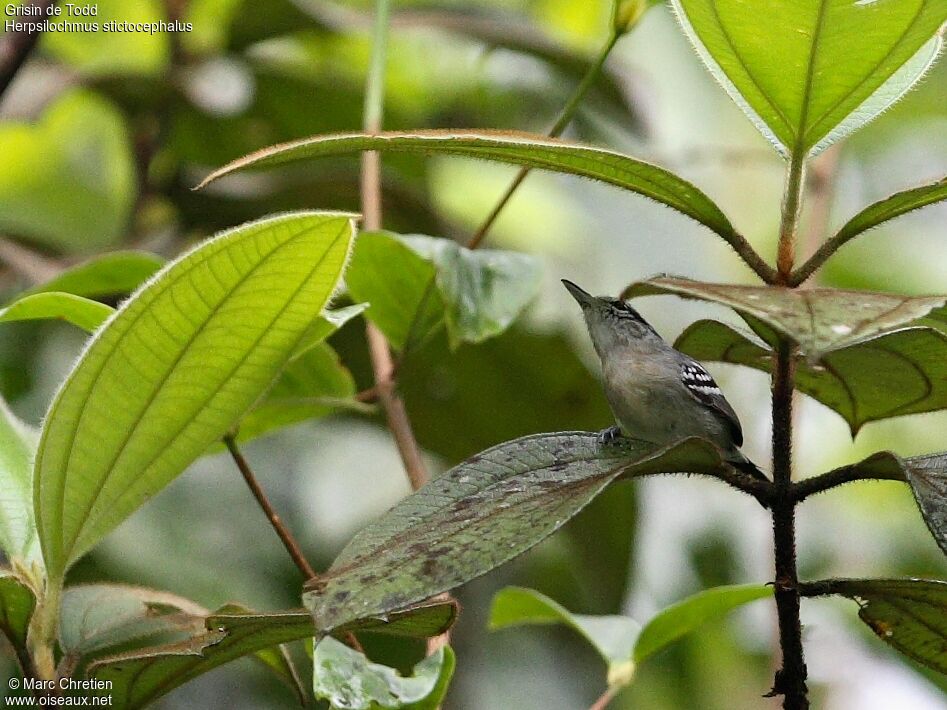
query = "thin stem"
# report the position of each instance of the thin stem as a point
(383, 365)
(791, 678)
(840, 476)
(395, 411)
(792, 201)
(761, 490)
(562, 120)
(289, 542)
(15, 47)
(820, 184)
(605, 698)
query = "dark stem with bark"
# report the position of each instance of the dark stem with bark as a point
(15, 47)
(289, 542)
(790, 680)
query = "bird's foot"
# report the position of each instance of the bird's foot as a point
(609, 436)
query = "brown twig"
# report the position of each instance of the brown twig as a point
(840, 476)
(289, 542)
(32, 266)
(15, 47)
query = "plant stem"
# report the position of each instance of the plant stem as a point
(847, 474)
(43, 630)
(820, 187)
(289, 542)
(792, 202)
(562, 120)
(791, 678)
(605, 698)
(383, 365)
(15, 48)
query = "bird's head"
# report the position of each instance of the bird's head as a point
(612, 322)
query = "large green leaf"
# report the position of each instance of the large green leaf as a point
(517, 148)
(619, 640)
(18, 537)
(890, 375)
(415, 282)
(349, 681)
(175, 369)
(81, 312)
(69, 181)
(313, 384)
(909, 614)
(684, 617)
(612, 636)
(16, 607)
(819, 320)
(480, 514)
(484, 290)
(111, 274)
(141, 676)
(395, 280)
(813, 70)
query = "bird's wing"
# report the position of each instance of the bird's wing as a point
(701, 386)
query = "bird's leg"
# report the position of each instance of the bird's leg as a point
(608, 436)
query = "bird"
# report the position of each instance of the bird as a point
(656, 393)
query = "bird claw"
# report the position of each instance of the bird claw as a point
(609, 436)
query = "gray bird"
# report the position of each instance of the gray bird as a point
(657, 393)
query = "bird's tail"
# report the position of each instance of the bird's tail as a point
(742, 463)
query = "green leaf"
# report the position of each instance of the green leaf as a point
(890, 375)
(69, 181)
(423, 621)
(890, 208)
(478, 293)
(819, 320)
(111, 274)
(16, 607)
(517, 148)
(349, 681)
(687, 615)
(391, 276)
(480, 514)
(18, 537)
(101, 53)
(313, 384)
(927, 476)
(141, 676)
(81, 312)
(619, 640)
(97, 617)
(326, 324)
(485, 290)
(909, 614)
(613, 637)
(175, 369)
(814, 70)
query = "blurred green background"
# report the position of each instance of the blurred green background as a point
(103, 136)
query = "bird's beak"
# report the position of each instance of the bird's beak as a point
(582, 297)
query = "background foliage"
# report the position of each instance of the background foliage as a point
(128, 128)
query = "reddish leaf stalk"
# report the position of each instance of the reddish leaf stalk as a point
(285, 536)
